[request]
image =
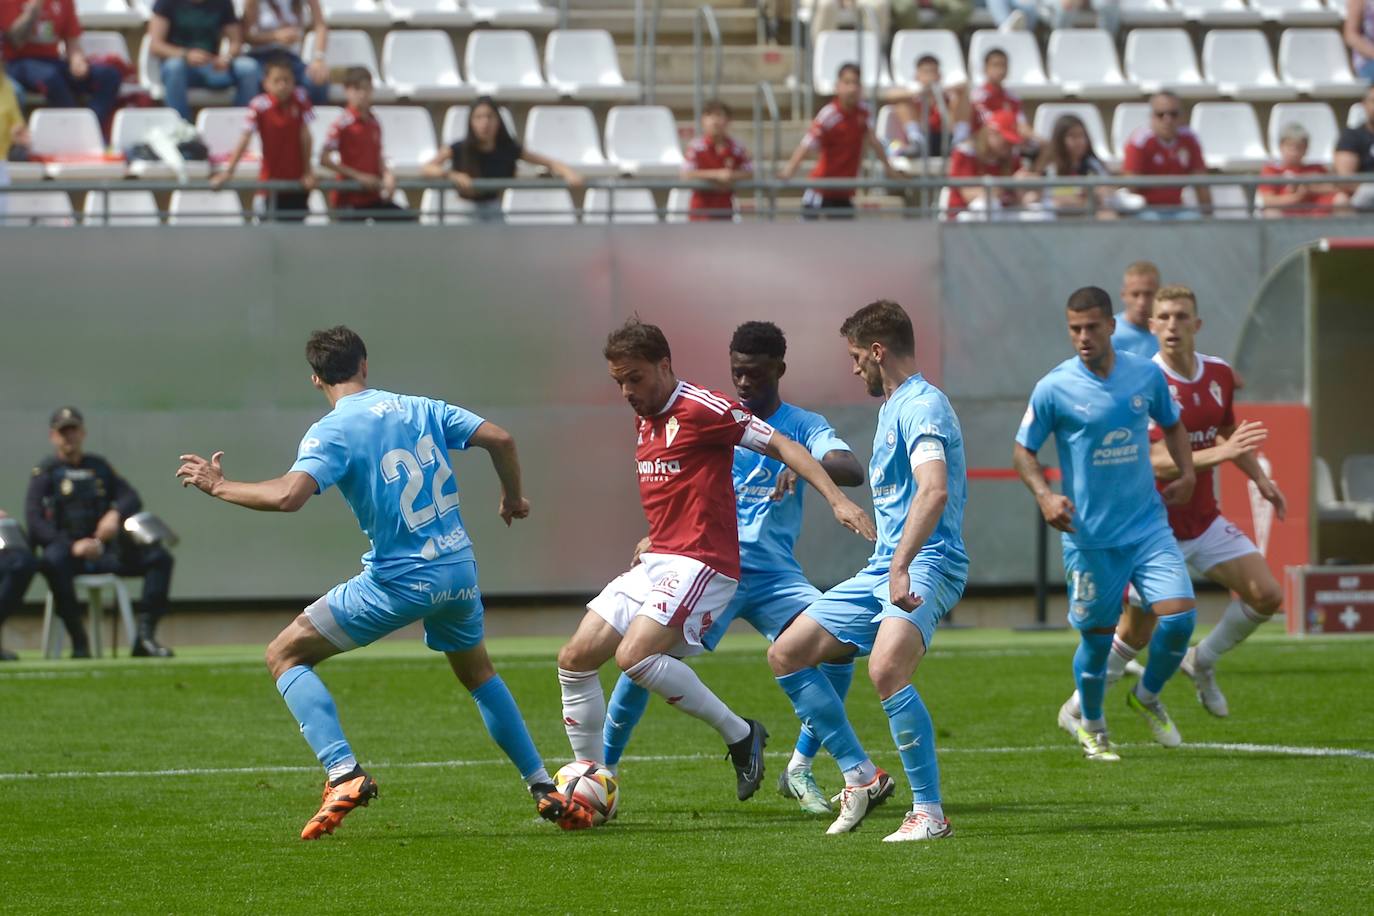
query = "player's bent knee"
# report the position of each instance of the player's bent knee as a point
(887, 678)
(1267, 600)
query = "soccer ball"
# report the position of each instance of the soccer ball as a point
(591, 785)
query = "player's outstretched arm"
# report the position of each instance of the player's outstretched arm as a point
(809, 469)
(932, 492)
(283, 494)
(1180, 490)
(500, 445)
(1233, 444)
(1055, 507)
(839, 463)
(1250, 465)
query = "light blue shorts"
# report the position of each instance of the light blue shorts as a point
(767, 602)
(1098, 577)
(364, 609)
(852, 611)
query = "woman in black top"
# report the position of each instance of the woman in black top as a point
(489, 151)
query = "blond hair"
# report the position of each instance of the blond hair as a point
(1142, 269)
(1175, 293)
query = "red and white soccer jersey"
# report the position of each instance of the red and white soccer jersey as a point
(1204, 404)
(1147, 154)
(838, 133)
(705, 155)
(990, 98)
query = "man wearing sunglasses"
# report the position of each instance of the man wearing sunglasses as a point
(1167, 147)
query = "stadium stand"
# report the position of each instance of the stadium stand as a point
(542, 206)
(353, 14)
(120, 208)
(1230, 136)
(38, 208)
(643, 140)
(441, 14)
(567, 134)
(1159, 59)
(1026, 73)
(1083, 63)
(1315, 62)
(108, 14)
(505, 65)
(205, 208)
(833, 49)
(70, 142)
(407, 137)
(582, 65)
(221, 129)
(1238, 64)
(1316, 117)
(909, 45)
(420, 66)
(624, 205)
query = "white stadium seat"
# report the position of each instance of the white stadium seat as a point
(353, 14)
(835, 49)
(444, 14)
(506, 65)
(205, 208)
(550, 206)
(1048, 113)
(1319, 121)
(1083, 63)
(643, 140)
(108, 14)
(132, 126)
(221, 129)
(567, 134)
(1163, 59)
(456, 210)
(514, 13)
(1136, 13)
(909, 45)
(35, 208)
(1229, 201)
(582, 64)
(325, 116)
(1316, 63)
(455, 126)
(1297, 12)
(1026, 72)
(1219, 12)
(120, 208)
(1237, 62)
(420, 65)
(72, 138)
(407, 137)
(349, 48)
(1355, 116)
(626, 205)
(150, 78)
(1126, 117)
(679, 206)
(1230, 136)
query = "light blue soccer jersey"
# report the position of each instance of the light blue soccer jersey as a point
(1127, 338)
(917, 410)
(388, 455)
(768, 530)
(1101, 430)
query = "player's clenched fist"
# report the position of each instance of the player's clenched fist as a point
(1058, 512)
(514, 508)
(204, 475)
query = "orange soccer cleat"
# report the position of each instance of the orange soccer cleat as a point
(337, 801)
(556, 807)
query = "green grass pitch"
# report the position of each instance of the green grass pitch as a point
(181, 787)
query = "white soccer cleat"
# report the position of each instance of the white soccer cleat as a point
(1205, 680)
(1134, 669)
(801, 786)
(1070, 715)
(1096, 746)
(856, 801)
(920, 826)
(1157, 717)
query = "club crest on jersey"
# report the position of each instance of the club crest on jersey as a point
(1138, 402)
(1214, 390)
(670, 430)
(891, 438)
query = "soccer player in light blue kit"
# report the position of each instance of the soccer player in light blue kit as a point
(914, 578)
(388, 455)
(1139, 284)
(773, 590)
(1098, 405)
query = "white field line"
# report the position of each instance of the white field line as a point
(1280, 750)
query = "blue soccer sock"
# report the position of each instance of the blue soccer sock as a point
(914, 733)
(507, 727)
(819, 706)
(626, 707)
(1167, 648)
(1090, 672)
(310, 702)
(840, 675)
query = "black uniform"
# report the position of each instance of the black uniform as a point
(16, 571)
(64, 504)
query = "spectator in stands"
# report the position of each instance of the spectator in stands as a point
(489, 151)
(935, 117)
(993, 96)
(825, 16)
(281, 118)
(186, 36)
(275, 28)
(1139, 283)
(1295, 200)
(1167, 147)
(1070, 153)
(992, 150)
(1354, 154)
(75, 508)
(1014, 15)
(1359, 36)
(839, 133)
(42, 45)
(354, 150)
(716, 157)
(14, 132)
(1108, 14)
(17, 566)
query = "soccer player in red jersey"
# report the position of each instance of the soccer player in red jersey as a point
(651, 616)
(1204, 388)
(717, 157)
(1166, 147)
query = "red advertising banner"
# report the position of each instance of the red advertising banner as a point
(1331, 599)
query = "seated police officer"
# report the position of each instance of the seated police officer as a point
(17, 566)
(76, 507)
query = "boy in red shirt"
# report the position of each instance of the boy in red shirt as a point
(992, 150)
(717, 157)
(838, 133)
(354, 150)
(281, 118)
(1301, 199)
(992, 96)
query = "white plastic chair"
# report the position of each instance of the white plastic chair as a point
(1136, 13)
(582, 64)
(642, 140)
(505, 65)
(131, 126)
(1083, 63)
(353, 14)
(457, 211)
(835, 49)
(1237, 62)
(120, 208)
(543, 206)
(73, 136)
(407, 137)
(221, 129)
(1228, 201)
(205, 208)
(1230, 136)
(320, 125)
(420, 65)
(1025, 70)
(455, 125)
(1355, 116)
(679, 206)
(909, 45)
(1290, 13)
(94, 586)
(350, 48)
(445, 14)
(35, 208)
(107, 14)
(1319, 121)
(1047, 114)
(567, 134)
(1219, 12)
(1316, 63)
(1159, 59)
(1126, 118)
(624, 205)
(514, 13)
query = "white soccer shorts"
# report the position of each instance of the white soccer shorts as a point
(675, 591)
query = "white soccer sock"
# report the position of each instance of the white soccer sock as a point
(799, 762)
(1095, 725)
(1076, 704)
(861, 775)
(584, 713)
(1117, 658)
(1147, 697)
(1236, 624)
(342, 768)
(538, 777)
(679, 685)
(934, 809)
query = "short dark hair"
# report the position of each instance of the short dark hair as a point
(717, 106)
(883, 322)
(995, 52)
(636, 339)
(845, 67)
(335, 354)
(759, 338)
(278, 62)
(356, 77)
(927, 59)
(1091, 298)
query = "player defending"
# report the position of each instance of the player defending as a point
(773, 590)
(914, 578)
(1204, 388)
(388, 454)
(658, 611)
(1098, 405)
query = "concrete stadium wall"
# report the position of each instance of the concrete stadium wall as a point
(190, 339)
